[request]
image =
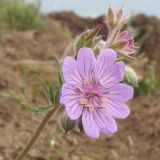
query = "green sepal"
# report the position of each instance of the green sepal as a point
(127, 57)
(118, 45)
(88, 43)
(80, 41)
(130, 79)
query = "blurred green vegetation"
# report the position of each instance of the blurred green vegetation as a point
(21, 15)
(151, 82)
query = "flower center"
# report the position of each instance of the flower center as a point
(131, 43)
(93, 91)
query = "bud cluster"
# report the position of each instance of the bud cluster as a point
(121, 41)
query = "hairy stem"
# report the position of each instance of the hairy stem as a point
(36, 134)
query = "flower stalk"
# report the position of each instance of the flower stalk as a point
(36, 134)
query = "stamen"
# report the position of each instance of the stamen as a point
(83, 101)
(103, 99)
(91, 107)
(101, 82)
(81, 89)
(86, 81)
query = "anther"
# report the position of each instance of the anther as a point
(101, 82)
(83, 101)
(103, 99)
(86, 81)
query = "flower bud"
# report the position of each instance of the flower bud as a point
(89, 38)
(99, 46)
(66, 123)
(111, 17)
(130, 76)
(92, 33)
(80, 42)
(115, 18)
(123, 44)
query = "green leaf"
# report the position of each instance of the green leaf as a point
(39, 110)
(60, 78)
(18, 99)
(51, 93)
(57, 95)
(43, 86)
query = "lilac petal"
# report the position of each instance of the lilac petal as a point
(108, 71)
(105, 60)
(104, 121)
(113, 75)
(116, 97)
(89, 125)
(71, 97)
(86, 62)
(120, 92)
(70, 71)
(116, 109)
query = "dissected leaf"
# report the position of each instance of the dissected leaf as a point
(51, 93)
(19, 99)
(43, 86)
(38, 110)
(60, 78)
(57, 95)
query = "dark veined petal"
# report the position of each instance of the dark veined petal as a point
(70, 97)
(86, 62)
(116, 97)
(70, 71)
(105, 122)
(119, 92)
(116, 109)
(109, 71)
(89, 124)
(105, 59)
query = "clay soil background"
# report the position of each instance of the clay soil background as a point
(23, 53)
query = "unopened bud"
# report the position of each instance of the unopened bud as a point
(99, 46)
(89, 38)
(111, 17)
(91, 34)
(119, 45)
(80, 42)
(120, 17)
(66, 123)
(130, 76)
(115, 18)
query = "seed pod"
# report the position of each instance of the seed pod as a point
(66, 123)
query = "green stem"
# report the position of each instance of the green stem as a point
(36, 134)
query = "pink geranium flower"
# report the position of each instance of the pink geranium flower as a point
(92, 91)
